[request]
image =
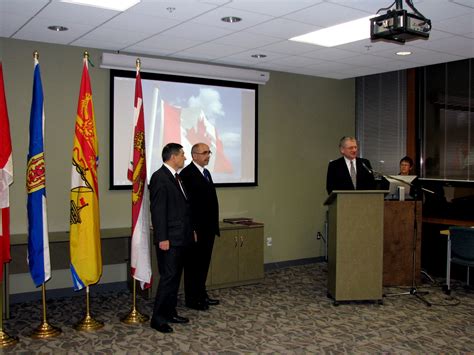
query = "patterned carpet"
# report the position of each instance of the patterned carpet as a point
(287, 313)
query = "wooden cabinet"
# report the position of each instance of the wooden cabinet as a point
(237, 257)
(399, 240)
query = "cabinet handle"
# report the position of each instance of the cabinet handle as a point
(236, 240)
(241, 241)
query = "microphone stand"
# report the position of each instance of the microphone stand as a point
(413, 289)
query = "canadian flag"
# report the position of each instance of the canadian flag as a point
(186, 126)
(6, 178)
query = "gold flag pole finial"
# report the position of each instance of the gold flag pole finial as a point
(86, 55)
(36, 55)
(138, 63)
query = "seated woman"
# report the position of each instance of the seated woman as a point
(406, 165)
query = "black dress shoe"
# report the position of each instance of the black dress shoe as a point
(212, 301)
(178, 319)
(162, 327)
(200, 306)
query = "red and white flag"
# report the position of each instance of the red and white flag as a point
(188, 126)
(140, 245)
(6, 177)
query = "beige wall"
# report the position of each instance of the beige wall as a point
(301, 119)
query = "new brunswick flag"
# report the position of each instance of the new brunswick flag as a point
(85, 249)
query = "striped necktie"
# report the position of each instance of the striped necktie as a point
(353, 175)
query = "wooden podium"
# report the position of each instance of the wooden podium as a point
(355, 245)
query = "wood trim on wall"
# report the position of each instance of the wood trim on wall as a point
(411, 116)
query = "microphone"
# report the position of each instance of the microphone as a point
(367, 168)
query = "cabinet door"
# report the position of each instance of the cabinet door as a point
(225, 258)
(250, 254)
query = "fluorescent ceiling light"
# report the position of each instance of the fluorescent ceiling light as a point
(117, 5)
(403, 53)
(343, 33)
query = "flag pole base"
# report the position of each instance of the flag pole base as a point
(45, 330)
(7, 340)
(88, 323)
(134, 317)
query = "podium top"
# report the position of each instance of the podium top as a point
(333, 194)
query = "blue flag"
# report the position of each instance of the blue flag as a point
(38, 244)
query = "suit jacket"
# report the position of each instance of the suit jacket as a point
(204, 203)
(339, 178)
(170, 211)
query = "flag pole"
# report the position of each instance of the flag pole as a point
(135, 317)
(5, 339)
(45, 330)
(88, 323)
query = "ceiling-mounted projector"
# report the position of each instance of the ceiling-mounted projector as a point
(398, 25)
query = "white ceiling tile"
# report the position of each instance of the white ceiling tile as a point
(211, 51)
(214, 17)
(165, 42)
(145, 24)
(329, 54)
(326, 14)
(247, 40)
(200, 32)
(458, 25)
(192, 29)
(282, 28)
(289, 47)
(183, 10)
(273, 8)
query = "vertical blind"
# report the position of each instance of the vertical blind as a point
(381, 105)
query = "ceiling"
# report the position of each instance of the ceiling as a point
(193, 30)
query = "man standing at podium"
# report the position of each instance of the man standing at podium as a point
(349, 172)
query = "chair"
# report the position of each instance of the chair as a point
(460, 251)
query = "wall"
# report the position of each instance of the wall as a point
(301, 119)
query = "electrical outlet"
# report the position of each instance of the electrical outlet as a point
(269, 241)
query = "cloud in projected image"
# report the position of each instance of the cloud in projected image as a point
(209, 101)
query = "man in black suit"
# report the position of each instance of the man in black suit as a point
(349, 172)
(205, 219)
(172, 235)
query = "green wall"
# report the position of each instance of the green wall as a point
(301, 119)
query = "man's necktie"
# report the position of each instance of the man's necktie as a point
(207, 175)
(180, 186)
(353, 175)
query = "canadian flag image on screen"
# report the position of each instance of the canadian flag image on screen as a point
(187, 126)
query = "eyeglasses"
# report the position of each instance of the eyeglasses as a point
(206, 152)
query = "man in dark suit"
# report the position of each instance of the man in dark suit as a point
(172, 235)
(205, 219)
(349, 172)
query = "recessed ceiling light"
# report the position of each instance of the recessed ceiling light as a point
(343, 33)
(258, 56)
(231, 19)
(117, 5)
(57, 28)
(403, 53)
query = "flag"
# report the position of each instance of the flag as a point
(6, 177)
(38, 244)
(85, 249)
(186, 126)
(140, 246)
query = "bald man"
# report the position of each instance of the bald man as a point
(205, 221)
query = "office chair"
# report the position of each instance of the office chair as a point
(460, 251)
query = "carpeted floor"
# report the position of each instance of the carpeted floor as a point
(287, 313)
